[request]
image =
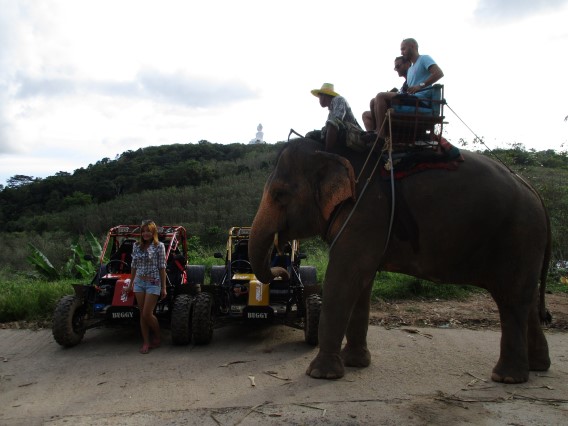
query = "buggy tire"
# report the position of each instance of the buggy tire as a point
(311, 321)
(202, 319)
(69, 321)
(217, 273)
(181, 320)
(195, 274)
(308, 275)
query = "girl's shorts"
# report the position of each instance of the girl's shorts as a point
(149, 287)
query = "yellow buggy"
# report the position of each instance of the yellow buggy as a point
(234, 293)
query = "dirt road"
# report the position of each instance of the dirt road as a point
(253, 377)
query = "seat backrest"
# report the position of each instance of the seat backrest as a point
(241, 250)
(124, 253)
(437, 99)
(429, 105)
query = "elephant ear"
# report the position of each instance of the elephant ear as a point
(336, 181)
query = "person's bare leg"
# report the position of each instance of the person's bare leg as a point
(150, 319)
(368, 117)
(368, 121)
(144, 329)
(382, 104)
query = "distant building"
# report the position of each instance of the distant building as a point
(259, 136)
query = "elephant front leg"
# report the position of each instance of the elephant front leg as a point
(355, 353)
(326, 365)
(336, 309)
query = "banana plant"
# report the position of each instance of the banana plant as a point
(42, 264)
(77, 262)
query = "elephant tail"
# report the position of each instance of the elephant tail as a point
(544, 314)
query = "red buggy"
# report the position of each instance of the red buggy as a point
(103, 301)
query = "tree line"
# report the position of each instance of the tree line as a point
(205, 187)
(133, 172)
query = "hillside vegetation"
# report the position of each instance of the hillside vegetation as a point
(205, 187)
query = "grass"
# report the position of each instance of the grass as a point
(391, 286)
(24, 298)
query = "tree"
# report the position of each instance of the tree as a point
(77, 199)
(17, 181)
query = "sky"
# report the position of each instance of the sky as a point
(83, 80)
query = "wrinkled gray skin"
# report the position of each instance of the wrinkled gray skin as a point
(480, 225)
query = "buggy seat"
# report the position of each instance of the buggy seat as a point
(124, 254)
(283, 259)
(241, 251)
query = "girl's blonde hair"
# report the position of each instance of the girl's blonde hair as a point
(152, 228)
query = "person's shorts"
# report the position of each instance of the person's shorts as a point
(149, 287)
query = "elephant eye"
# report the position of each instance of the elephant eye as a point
(280, 193)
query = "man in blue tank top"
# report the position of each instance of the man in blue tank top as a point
(422, 73)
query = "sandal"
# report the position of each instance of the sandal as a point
(155, 344)
(145, 349)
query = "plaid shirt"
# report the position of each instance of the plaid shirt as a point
(339, 110)
(339, 114)
(149, 262)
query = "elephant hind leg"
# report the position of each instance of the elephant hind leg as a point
(513, 364)
(539, 358)
(356, 357)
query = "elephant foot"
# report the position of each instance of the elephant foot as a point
(356, 357)
(539, 363)
(539, 359)
(501, 375)
(326, 366)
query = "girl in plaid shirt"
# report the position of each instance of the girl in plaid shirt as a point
(149, 281)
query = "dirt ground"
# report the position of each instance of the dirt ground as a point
(478, 312)
(431, 365)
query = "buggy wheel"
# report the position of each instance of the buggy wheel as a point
(181, 320)
(69, 321)
(202, 318)
(217, 274)
(308, 275)
(309, 278)
(195, 274)
(311, 322)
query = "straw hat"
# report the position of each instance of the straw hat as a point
(326, 89)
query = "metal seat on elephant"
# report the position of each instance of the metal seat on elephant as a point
(417, 120)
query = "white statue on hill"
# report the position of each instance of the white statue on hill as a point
(259, 136)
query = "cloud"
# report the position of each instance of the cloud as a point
(29, 87)
(499, 11)
(5, 28)
(5, 146)
(151, 85)
(193, 92)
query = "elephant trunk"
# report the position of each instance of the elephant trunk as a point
(261, 242)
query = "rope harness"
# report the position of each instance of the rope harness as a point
(387, 147)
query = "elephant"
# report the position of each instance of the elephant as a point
(479, 225)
